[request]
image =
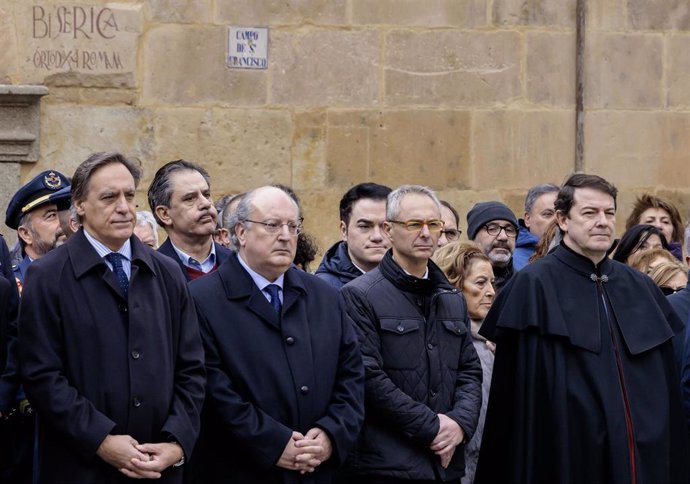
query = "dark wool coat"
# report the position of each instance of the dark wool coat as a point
(419, 361)
(167, 248)
(337, 268)
(95, 364)
(8, 331)
(584, 386)
(270, 375)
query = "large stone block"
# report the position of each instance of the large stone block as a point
(241, 149)
(186, 65)
(324, 68)
(557, 13)
(309, 169)
(513, 149)
(451, 68)
(551, 68)
(430, 13)
(70, 133)
(9, 183)
(678, 70)
(397, 147)
(275, 12)
(624, 71)
(659, 14)
(607, 15)
(96, 43)
(638, 149)
(181, 11)
(9, 58)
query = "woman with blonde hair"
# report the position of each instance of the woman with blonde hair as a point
(468, 269)
(645, 261)
(671, 277)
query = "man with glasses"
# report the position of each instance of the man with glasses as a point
(362, 244)
(423, 377)
(285, 379)
(493, 226)
(451, 221)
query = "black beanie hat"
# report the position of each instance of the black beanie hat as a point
(485, 212)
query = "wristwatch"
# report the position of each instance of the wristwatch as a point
(181, 461)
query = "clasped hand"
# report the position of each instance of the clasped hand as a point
(449, 436)
(304, 453)
(139, 461)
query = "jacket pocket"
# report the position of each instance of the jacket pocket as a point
(452, 341)
(402, 343)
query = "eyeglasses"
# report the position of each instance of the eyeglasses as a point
(495, 229)
(451, 234)
(275, 226)
(668, 290)
(417, 225)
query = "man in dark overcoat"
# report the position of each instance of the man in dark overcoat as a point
(285, 378)
(109, 346)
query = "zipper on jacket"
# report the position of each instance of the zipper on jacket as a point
(624, 392)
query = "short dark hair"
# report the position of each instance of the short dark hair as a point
(82, 175)
(160, 190)
(646, 201)
(452, 210)
(373, 191)
(566, 195)
(633, 238)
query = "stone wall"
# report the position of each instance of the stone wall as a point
(474, 98)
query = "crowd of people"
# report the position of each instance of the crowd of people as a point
(535, 350)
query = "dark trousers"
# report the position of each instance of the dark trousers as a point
(17, 449)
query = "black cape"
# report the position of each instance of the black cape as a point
(583, 379)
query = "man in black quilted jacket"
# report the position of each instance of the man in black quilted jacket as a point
(423, 377)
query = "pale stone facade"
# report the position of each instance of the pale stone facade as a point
(475, 98)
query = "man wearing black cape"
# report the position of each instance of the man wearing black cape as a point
(584, 385)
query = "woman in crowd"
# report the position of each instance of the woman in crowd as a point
(470, 270)
(646, 260)
(671, 277)
(639, 238)
(652, 210)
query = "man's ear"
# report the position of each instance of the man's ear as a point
(25, 234)
(163, 213)
(343, 230)
(241, 233)
(562, 221)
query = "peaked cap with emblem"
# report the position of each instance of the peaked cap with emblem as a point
(49, 186)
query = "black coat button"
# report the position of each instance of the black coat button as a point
(135, 354)
(136, 402)
(430, 346)
(290, 340)
(304, 390)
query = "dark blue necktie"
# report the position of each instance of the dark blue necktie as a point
(116, 260)
(273, 290)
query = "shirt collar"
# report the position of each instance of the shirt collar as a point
(258, 279)
(190, 261)
(103, 250)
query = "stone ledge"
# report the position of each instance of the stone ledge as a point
(20, 122)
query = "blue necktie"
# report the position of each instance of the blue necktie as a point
(273, 290)
(116, 260)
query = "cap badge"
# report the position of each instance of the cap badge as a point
(52, 181)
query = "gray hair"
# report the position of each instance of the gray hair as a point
(230, 220)
(160, 190)
(395, 198)
(537, 191)
(145, 217)
(246, 205)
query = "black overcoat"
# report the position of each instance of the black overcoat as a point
(270, 375)
(584, 386)
(95, 364)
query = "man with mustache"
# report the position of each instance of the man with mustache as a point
(494, 227)
(423, 379)
(584, 385)
(180, 200)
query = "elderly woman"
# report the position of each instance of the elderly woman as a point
(652, 210)
(147, 229)
(470, 270)
(671, 277)
(639, 238)
(646, 260)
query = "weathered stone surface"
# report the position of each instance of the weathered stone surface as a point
(659, 14)
(83, 40)
(200, 81)
(8, 47)
(558, 13)
(513, 149)
(607, 15)
(275, 12)
(321, 218)
(430, 13)
(551, 68)
(309, 150)
(181, 11)
(103, 96)
(623, 71)
(70, 133)
(638, 149)
(241, 149)
(324, 68)
(396, 147)
(10, 181)
(678, 70)
(451, 68)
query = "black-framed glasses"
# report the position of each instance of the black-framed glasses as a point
(451, 234)
(433, 225)
(495, 229)
(275, 226)
(668, 290)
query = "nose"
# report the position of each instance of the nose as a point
(490, 291)
(425, 232)
(122, 204)
(377, 233)
(284, 233)
(204, 202)
(502, 235)
(442, 240)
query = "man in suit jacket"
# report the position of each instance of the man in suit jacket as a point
(180, 199)
(109, 347)
(285, 378)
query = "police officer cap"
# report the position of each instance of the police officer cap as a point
(47, 187)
